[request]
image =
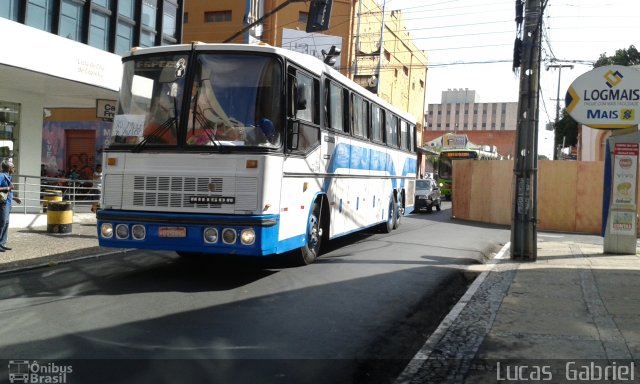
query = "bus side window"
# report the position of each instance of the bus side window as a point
(346, 108)
(306, 102)
(359, 116)
(391, 124)
(376, 123)
(405, 137)
(334, 107)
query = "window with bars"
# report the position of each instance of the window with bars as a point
(217, 16)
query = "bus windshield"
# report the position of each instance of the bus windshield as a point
(233, 100)
(444, 168)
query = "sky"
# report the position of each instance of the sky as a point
(469, 44)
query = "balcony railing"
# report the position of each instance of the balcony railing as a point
(36, 192)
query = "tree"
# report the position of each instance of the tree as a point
(624, 57)
(566, 131)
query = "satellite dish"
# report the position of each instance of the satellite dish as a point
(372, 81)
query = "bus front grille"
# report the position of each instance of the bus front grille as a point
(182, 191)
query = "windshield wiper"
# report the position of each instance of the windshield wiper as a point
(159, 131)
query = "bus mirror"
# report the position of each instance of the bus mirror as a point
(293, 135)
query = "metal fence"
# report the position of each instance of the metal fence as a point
(36, 192)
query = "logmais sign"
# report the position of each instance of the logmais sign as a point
(606, 97)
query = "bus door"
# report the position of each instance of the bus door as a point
(303, 146)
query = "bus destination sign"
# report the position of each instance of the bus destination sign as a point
(460, 154)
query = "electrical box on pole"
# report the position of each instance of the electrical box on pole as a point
(523, 226)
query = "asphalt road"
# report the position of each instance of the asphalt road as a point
(357, 315)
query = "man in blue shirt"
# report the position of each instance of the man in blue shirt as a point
(5, 207)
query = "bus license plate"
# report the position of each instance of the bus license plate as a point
(172, 232)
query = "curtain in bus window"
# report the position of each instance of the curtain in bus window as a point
(305, 92)
(404, 135)
(359, 116)
(376, 123)
(392, 129)
(335, 107)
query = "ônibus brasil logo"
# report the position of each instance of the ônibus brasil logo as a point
(25, 371)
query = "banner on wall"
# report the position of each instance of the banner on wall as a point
(623, 194)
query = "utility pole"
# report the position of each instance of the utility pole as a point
(555, 126)
(523, 227)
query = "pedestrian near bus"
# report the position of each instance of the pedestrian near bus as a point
(5, 207)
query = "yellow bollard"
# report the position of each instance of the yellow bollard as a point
(49, 196)
(59, 217)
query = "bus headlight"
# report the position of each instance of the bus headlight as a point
(229, 236)
(122, 231)
(210, 235)
(106, 230)
(138, 232)
(248, 236)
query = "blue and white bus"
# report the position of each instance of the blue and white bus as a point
(249, 150)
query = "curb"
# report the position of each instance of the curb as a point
(423, 354)
(60, 258)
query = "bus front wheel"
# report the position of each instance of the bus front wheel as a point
(311, 250)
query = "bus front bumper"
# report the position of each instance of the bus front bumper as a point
(220, 234)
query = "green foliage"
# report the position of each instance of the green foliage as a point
(566, 130)
(624, 57)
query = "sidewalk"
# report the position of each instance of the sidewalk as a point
(560, 318)
(33, 246)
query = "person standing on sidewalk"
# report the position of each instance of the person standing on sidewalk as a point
(5, 208)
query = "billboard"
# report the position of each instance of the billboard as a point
(606, 97)
(310, 43)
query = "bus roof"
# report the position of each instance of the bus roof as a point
(306, 61)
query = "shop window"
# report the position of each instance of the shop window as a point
(169, 17)
(9, 119)
(40, 14)
(124, 37)
(99, 30)
(71, 20)
(9, 9)
(149, 8)
(125, 8)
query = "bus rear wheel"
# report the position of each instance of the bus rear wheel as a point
(392, 217)
(311, 250)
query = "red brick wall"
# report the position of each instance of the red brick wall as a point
(504, 140)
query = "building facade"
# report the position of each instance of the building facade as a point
(460, 112)
(60, 72)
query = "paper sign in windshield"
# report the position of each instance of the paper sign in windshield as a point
(128, 125)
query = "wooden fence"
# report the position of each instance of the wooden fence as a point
(569, 194)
